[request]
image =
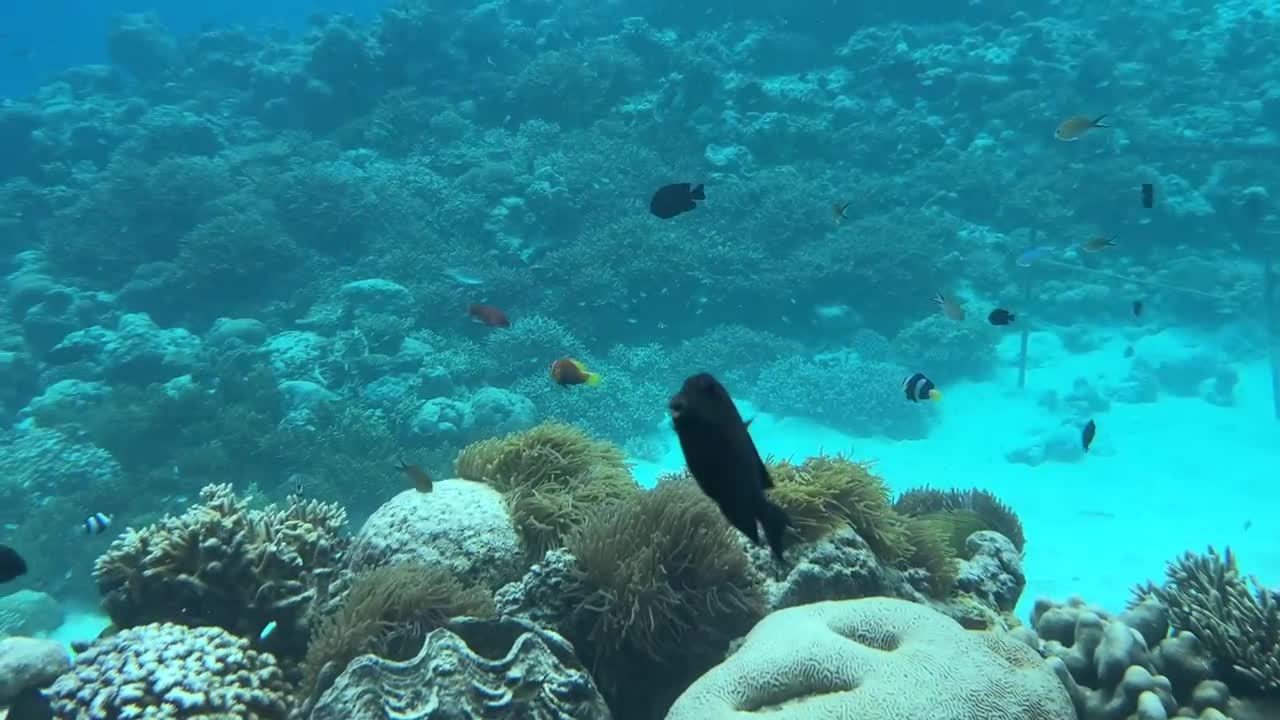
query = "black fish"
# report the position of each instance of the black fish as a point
(724, 461)
(1137, 308)
(1000, 316)
(12, 566)
(1086, 437)
(919, 387)
(31, 704)
(1148, 195)
(671, 200)
(1128, 351)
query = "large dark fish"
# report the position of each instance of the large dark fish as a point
(724, 461)
(12, 566)
(671, 200)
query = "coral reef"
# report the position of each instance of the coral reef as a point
(29, 663)
(1126, 666)
(171, 671)
(828, 492)
(1237, 620)
(460, 525)
(505, 669)
(654, 586)
(222, 563)
(967, 511)
(875, 657)
(553, 477)
(386, 611)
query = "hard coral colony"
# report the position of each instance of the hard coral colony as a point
(429, 364)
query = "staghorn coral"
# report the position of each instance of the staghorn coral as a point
(875, 658)
(661, 585)
(386, 611)
(828, 492)
(967, 511)
(167, 671)
(553, 477)
(221, 563)
(1238, 625)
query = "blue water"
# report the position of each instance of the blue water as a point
(65, 33)
(267, 266)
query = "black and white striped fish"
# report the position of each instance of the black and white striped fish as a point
(96, 524)
(918, 387)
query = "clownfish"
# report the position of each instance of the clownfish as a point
(567, 371)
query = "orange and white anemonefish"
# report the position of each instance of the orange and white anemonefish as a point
(567, 371)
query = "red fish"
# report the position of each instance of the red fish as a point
(567, 371)
(489, 315)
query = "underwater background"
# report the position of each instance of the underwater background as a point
(334, 332)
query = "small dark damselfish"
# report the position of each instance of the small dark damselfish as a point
(671, 200)
(724, 461)
(1086, 437)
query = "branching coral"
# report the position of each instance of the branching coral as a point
(169, 671)
(966, 511)
(1240, 627)
(222, 563)
(553, 477)
(387, 611)
(826, 493)
(662, 584)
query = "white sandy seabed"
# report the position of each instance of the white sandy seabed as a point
(1161, 478)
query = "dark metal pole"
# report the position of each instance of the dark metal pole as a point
(1026, 333)
(1273, 333)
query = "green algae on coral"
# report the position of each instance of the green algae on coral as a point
(553, 477)
(826, 492)
(388, 611)
(932, 550)
(967, 511)
(662, 585)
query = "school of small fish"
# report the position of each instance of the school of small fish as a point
(713, 437)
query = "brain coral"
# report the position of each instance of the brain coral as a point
(222, 563)
(875, 658)
(171, 671)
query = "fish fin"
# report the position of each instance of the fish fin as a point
(935, 395)
(775, 522)
(697, 193)
(765, 480)
(1098, 122)
(748, 423)
(592, 378)
(937, 297)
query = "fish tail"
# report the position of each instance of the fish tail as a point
(1098, 122)
(935, 395)
(697, 193)
(775, 522)
(593, 378)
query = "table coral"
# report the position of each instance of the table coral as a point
(222, 563)
(170, 671)
(875, 658)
